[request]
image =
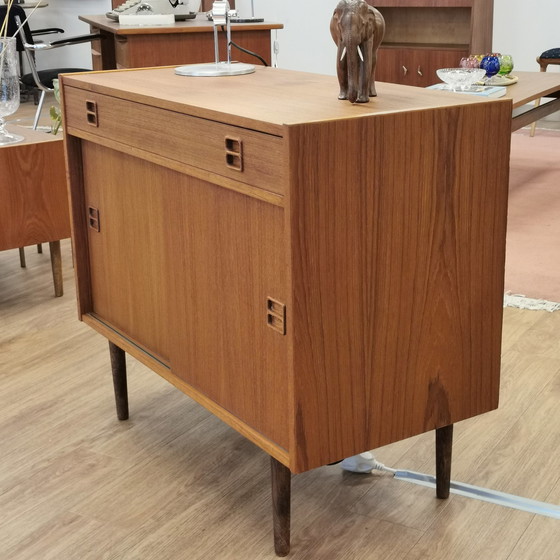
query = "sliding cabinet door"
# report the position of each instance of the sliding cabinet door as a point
(228, 281)
(125, 224)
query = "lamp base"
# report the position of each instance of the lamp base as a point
(210, 69)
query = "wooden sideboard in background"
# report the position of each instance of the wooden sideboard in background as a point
(184, 42)
(424, 35)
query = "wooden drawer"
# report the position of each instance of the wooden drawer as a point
(244, 155)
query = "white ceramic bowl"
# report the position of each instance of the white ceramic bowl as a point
(460, 78)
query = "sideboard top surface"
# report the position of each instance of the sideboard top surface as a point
(266, 100)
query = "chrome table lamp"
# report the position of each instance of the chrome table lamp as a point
(220, 17)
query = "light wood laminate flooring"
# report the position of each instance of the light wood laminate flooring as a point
(175, 483)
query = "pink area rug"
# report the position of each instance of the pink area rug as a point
(533, 234)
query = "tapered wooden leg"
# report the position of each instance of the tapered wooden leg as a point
(39, 248)
(22, 257)
(56, 265)
(281, 498)
(444, 442)
(118, 367)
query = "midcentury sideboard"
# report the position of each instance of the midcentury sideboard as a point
(424, 35)
(326, 278)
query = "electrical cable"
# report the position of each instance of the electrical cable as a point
(246, 51)
(366, 463)
(251, 53)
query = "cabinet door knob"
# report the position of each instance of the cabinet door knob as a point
(405, 70)
(419, 71)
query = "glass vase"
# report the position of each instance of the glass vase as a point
(9, 88)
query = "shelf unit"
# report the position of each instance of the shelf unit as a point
(424, 35)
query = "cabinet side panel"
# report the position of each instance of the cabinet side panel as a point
(76, 195)
(227, 255)
(398, 240)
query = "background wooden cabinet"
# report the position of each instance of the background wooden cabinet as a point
(424, 35)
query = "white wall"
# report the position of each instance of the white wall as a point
(526, 29)
(523, 29)
(305, 41)
(64, 14)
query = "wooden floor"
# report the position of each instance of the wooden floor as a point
(174, 483)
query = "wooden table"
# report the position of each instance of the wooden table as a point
(34, 205)
(530, 87)
(184, 42)
(326, 278)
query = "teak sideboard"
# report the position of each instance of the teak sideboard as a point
(326, 278)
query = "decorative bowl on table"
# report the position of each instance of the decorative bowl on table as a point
(459, 79)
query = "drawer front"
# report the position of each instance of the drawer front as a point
(244, 155)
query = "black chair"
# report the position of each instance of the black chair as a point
(40, 79)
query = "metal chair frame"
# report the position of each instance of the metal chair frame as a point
(27, 43)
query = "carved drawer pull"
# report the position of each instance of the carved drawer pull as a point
(276, 315)
(93, 218)
(91, 113)
(405, 70)
(234, 153)
(419, 71)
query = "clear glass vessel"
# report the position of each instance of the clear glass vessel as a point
(506, 64)
(9, 88)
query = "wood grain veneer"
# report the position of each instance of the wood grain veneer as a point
(291, 97)
(184, 42)
(177, 137)
(384, 344)
(387, 252)
(34, 205)
(227, 255)
(127, 253)
(424, 35)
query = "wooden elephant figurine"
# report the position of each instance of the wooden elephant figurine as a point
(357, 28)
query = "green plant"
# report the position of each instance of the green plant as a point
(55, 112)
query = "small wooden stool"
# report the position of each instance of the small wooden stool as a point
(551, 56)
